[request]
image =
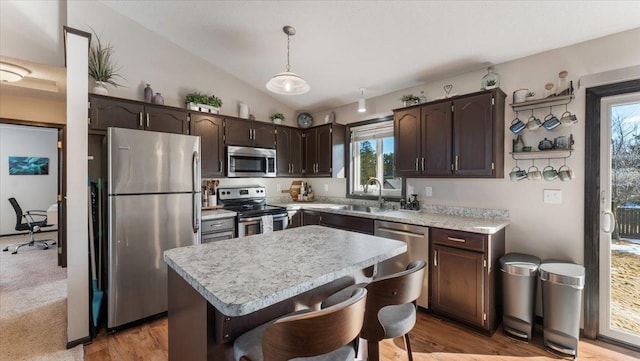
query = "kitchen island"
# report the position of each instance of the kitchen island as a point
(219, 290)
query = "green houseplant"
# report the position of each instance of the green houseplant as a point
(203, 102)
(101, 66)
(277, 118)
(410, 99)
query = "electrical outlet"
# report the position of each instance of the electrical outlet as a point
(428, 192)
(278, 188)
(552, 196)
(326, 187)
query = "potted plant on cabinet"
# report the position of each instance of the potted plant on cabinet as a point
(410, 99)
(277, 118)
(101, 66)
(203, 103)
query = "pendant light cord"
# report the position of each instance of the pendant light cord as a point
(288, 46)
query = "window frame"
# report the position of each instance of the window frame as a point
(348, 162)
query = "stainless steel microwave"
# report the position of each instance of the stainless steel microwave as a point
(251, 162)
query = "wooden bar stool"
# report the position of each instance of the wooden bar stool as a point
(328, 334)
(391, 309)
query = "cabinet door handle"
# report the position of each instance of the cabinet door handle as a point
(254, 134)
(457, 159)
(250, 134)
(147, 120)
(220, 164)
(435, 258)
(417, 164)
(140, 120)
(423, 164)
(456, 239)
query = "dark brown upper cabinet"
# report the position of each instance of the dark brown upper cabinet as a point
(249, 133)
(458, 137)
(107, 112)
(289, 148)
(324, 151)
(210, 129)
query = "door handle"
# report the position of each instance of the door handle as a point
(147, 120)
(196, 197)
(417, 164)
(612, 223)
(250, 134)
(423, 164)
(140, 120)
(457, 159)
(400, 232)
(435, 258)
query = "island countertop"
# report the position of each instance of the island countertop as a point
(243, 275)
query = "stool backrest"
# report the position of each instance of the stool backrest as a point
(396, 289)
(315, 333)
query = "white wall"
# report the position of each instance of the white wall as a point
(31, 191)
(545, 230)
(144, 57)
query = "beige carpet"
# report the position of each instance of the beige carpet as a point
(33, 304)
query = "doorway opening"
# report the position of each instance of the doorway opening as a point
(619, 313)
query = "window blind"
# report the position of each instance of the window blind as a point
(372, 131)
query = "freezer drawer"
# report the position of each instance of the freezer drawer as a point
(142, 227)
(417, 240)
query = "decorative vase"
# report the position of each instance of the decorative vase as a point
(99, 88)
(490, 80)
(148, 94)
(158, 99)
(244, 111)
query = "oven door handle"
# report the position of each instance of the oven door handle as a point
(256, 219)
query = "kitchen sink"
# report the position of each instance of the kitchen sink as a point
(359, 208)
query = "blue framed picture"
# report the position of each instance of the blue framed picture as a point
(28, 166)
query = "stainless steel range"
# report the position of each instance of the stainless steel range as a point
(254, 215)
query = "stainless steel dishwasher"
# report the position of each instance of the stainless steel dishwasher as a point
(417, 240)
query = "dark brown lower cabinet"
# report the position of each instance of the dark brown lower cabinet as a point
(310, 218)
(295, 219)
(464, 276)
(340, 221)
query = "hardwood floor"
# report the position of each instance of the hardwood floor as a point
(432, 339)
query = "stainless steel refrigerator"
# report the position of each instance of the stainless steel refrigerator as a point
(154, 205)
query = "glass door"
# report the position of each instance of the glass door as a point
(620, 219)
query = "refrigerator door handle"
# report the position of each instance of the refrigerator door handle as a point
(196, 197)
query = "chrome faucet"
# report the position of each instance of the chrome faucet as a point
(366, 187)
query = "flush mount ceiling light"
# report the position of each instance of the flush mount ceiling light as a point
(361, 102)
(288, 83)
(11, 72)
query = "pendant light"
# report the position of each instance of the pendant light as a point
(361, 102)
(11, 72)
(288, 83)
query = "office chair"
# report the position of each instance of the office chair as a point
(33, 221)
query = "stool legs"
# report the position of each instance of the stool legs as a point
(373, 350)
(407, 343)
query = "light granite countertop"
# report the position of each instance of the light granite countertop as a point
(456, 218)
(243, 275)
(217, 214)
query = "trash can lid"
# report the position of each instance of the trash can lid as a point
(519, 264)
(569, 274)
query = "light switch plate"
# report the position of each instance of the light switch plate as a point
(552, 196)
(428, 192)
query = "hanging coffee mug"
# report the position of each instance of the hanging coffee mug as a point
(568, 119)
(550, 122)
(517, 126)
(549, 173)
(533, 123)
(533, 173)
(517, 174)
(565, 173)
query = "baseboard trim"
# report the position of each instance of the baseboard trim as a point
(80, 341)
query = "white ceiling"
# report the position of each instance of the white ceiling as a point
(383, 46)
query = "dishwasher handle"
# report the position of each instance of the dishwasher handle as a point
(401, 233)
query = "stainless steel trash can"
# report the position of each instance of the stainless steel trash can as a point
(519, 281)
(562, 284)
